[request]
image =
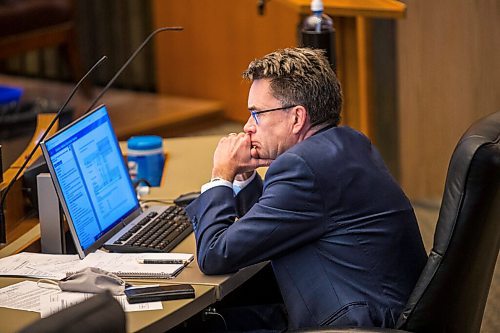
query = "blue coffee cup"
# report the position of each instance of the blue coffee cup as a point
(145, 158)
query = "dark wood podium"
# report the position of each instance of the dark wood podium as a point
(352, 20)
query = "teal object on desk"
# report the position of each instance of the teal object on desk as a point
(145, 158)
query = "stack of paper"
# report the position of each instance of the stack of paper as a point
(53, 266)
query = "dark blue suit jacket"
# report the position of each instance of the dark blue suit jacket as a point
(341, 235)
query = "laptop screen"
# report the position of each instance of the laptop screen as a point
(90, 176)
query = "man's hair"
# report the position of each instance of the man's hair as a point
(301, 76)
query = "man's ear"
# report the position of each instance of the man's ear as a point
(300, 119)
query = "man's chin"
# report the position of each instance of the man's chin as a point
(254, 153)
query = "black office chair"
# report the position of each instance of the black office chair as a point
(101, 313)
(451, 293)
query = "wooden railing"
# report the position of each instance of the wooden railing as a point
(22, 230)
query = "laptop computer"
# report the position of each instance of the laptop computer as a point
(96, 193)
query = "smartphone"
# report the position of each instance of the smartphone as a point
(160, 293)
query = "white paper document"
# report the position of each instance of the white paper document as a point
(24, 296)
(53, 303)
(45, 299)
(27, 264)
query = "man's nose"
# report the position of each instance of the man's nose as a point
(250, 126)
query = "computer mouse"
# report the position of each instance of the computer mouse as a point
(186, 198)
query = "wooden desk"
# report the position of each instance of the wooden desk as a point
(208, 290)
(187, 168)
(172, 314)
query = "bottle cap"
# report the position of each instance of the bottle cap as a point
(317, 6)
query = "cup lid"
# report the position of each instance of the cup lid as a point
(144, 142)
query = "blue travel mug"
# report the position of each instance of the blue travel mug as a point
(145, 158)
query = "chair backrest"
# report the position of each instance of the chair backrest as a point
(452, 290)
(100, 313)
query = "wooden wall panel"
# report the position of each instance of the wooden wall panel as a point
(448, 56)
(220, 38)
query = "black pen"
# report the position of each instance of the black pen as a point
(163, 261)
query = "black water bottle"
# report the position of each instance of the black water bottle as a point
(317, 31)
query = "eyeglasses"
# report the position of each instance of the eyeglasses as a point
(256, 113)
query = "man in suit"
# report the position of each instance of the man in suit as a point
(341, 235)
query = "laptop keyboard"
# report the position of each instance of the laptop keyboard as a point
(156, 232)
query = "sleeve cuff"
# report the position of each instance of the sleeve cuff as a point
(237, 185)
(214, 183)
